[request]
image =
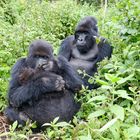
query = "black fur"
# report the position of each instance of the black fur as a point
(81, 49)
(42, 88)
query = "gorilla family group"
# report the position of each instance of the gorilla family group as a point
(42, 87)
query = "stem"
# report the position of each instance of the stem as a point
(104, 14)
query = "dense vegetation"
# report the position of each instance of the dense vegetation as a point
(113, 110)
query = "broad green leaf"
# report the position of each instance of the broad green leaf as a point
(96, 114)
(75, 120)
(14, 125)
(138, 70)
(118, 111)
(97, 98)
(123, 80)
(101, 82)
(106, 87)
(46, 124)
(108, 125)
(112, 78)
(88, 137)
(34, 125)
(115, 130)
(63, 124)
(133, 112)
(123, 94)
(108, 66)
(55, 120)
(133, 131)
(133, 89)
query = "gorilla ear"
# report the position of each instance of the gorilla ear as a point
(31, 46)
(51, 49)
(74, 41)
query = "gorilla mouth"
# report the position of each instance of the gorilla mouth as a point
(81, 44)
(82, 48)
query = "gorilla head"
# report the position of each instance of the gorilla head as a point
(85, 34)
(40, 55)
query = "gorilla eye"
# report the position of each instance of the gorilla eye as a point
(76, 36)
(95, 29)
(45, 57)
(86, 32)
(36, 56)
(41, 56)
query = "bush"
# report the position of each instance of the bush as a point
(96, 3)
(112, 110)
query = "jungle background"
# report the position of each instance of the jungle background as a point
(110, 112)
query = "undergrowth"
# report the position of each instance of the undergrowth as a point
(111, 112)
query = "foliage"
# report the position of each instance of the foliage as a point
(97, 3)
(113, 110)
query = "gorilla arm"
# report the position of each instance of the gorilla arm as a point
(70, 76)
(105, 49)
(22, 93)
(66, 47)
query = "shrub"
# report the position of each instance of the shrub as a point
(112, 110)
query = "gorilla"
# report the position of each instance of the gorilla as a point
(42, 87)
(82, 49)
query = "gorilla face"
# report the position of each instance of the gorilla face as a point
(84, 41)
(85, 34)
(40, 55)
(44, 63)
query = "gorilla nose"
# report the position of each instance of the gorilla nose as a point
(81, 41)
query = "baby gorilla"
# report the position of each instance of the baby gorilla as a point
(42, 88)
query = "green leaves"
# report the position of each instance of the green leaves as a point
(108, 125)
(123, 80)
(97, 98)
(123, 94)
(96, 114)
(14, 126)
(88, 137)
(62, 124)
(112, 110)
(133, 131)
(118, 111)
(112, 78)
(101, 82)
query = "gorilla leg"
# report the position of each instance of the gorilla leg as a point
(13, 115)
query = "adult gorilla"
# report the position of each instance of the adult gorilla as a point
(82, 50)
(41, 87)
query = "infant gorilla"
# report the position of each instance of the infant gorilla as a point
(42, 88)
